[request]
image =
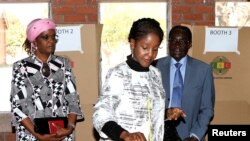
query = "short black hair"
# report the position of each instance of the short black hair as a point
(143, 27)
(181, 29)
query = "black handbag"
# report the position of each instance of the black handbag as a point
(170, 132)
(45, 126)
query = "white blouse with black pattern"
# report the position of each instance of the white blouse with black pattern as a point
(134, 100)
(34, 95)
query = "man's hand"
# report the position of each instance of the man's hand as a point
(191, 139)
(174, 113)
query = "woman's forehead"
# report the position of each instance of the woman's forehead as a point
(48, 32)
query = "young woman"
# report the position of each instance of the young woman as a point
(132, 102)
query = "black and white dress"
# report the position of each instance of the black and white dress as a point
(34, 95)
(133, 99)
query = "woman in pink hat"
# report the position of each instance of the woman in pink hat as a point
(42, 87)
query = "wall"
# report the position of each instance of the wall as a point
(193, 12)
(75, 11)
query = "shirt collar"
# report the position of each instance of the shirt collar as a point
(183, 61)
(35, 58)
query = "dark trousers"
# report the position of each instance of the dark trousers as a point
(170, 133)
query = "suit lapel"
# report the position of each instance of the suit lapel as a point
(168, 71)
(167, 77)
(188, 77)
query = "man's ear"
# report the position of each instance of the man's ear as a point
(190, 45)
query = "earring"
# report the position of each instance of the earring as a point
(132, 55)
(33, 48)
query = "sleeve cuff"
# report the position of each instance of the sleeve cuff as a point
(194, 135)
(112, 130)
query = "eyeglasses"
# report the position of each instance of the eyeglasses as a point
(45, 70)
(180, 42)
(47, 37)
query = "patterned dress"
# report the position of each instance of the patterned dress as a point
(134, 100)
(34, 95)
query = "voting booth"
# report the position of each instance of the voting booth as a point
(81, 44)
(228, 51)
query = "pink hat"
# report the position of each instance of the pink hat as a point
(37, 26)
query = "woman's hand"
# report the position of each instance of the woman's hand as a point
(174, 113)
(60, 134)
(63, 132)
(137, 136)
(41, 137)
(49, 137)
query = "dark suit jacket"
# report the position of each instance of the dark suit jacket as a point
(198, 97)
